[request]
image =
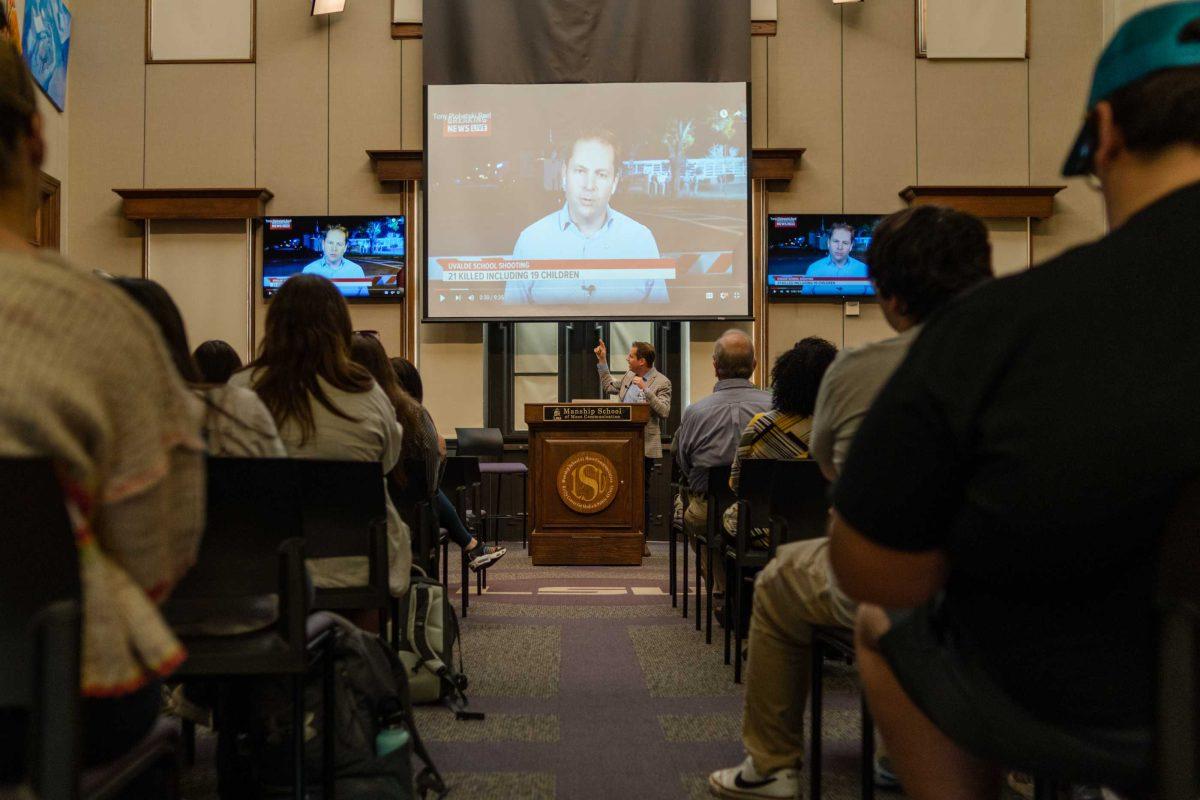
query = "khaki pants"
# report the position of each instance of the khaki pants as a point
(695, 520)
(794, 592)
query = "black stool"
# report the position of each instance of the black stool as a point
(489, 443)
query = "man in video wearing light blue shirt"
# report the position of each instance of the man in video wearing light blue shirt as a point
(587, 227)
(839, 264)
(334, 264)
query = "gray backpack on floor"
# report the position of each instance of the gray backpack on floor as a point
(428, 637)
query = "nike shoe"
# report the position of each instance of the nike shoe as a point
(743, 781)
(884, 777)
(487, 556)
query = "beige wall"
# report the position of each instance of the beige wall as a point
(840, 81)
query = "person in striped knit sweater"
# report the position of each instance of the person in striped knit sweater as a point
(783, 433)
(86, 381)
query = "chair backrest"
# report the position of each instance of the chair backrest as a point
(1178, 595)
(460, 473)
(754, 499)
(252, 550)
(339, 503)
(40, 566)
(40, 621)
(718, 487)
(485, 442)
(799, 502)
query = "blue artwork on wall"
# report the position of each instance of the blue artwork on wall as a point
(47, 40)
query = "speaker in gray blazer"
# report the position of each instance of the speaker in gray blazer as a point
(641, 384)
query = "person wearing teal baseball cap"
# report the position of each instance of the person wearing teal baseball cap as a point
(1006, 567)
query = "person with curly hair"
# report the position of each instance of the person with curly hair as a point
(783, 432)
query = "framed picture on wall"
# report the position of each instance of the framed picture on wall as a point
(972, 29)
(47, 43)
(214, 31)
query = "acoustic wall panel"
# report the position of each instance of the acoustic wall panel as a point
(205, 266)
(968, 134)
(106, 89)
(879, 106)
(362, 54)
(291, 132)
(804, 90)
(1067, 37)
(199, 125)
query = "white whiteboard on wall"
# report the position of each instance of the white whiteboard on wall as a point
(406, 11)
(975, 28)
(212, 30)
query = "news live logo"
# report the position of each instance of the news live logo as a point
(785, 222)
(279, 224)
(459, 125)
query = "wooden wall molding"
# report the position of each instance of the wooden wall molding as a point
(397, 165)
(392, 166)
(47, 223)
(204, 203)
(774, 163)
(412, 30)
(1035, 202)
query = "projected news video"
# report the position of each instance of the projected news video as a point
(813, 256)
(363, 256)
(610, 200)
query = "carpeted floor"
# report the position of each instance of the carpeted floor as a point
(595, 688)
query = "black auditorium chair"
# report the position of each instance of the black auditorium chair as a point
(460, 481)
(1178, 596)
(251, 558)
(343, 514)
(674, 533)
(489, 443)
(838, 643)
(743, 561)
(720, 497)
(40, 635)
(799, 502)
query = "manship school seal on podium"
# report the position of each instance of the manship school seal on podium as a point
(587, 482)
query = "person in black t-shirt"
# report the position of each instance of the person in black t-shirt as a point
(1056, 415)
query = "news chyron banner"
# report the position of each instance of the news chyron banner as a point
(587, 200)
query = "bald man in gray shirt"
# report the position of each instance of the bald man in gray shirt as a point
(711, 428)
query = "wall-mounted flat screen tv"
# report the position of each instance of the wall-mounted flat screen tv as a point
(363, 256)
(819, 256)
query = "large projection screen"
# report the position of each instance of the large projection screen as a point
(575, 201)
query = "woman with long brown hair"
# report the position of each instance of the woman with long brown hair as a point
(423, 448)
(326, 406)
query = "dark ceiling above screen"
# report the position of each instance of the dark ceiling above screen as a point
(585, 41)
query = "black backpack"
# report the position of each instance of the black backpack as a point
(370, 689)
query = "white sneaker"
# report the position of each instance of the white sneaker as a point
(743, 781)
(489, 556)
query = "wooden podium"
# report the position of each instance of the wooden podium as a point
(586, 482)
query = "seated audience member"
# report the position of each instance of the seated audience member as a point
(235, 421)
(85, 381)
(783, 432)
(422, 446)
(410, 380)
(326, 406)
(921, 259)
(217, 361)
(1022, 532)
(711, 427)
